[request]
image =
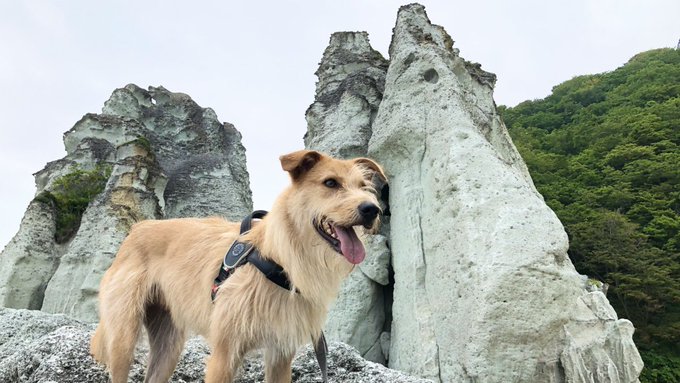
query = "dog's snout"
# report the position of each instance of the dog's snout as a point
(368, 211)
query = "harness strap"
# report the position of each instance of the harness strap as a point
(321, 349)
(247, 222)
(270, 269)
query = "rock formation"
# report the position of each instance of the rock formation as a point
(483, 288)
(468, 281)
(166, 157)
(39, 347)
(350, 87)
(351, 83)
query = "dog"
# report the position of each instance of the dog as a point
(164, 270)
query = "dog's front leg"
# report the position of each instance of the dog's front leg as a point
(277, 365)
(224, 360)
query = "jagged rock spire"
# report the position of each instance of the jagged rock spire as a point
(351, 83)
(166, 157)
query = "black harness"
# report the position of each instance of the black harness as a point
(241, 253)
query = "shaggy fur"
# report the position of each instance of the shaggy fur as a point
(164, 271)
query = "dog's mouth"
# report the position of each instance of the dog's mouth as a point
(344, 240)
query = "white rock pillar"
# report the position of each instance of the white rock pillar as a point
(351, 81)
(484, 288)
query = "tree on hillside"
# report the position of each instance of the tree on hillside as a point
(604, 150)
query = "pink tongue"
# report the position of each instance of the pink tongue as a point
(350, 245)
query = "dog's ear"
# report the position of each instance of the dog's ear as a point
(372, 165)
(300, 162)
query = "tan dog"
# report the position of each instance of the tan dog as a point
(163, 273)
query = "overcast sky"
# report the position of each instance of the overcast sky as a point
(253, 62)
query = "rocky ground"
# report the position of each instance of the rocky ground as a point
(36, 347)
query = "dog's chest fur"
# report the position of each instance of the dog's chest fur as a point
(250, 304)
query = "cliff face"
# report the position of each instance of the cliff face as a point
(483, 287)
(159, 154)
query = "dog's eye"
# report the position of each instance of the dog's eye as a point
(331, 183)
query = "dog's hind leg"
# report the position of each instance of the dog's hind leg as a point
(122, 294)
(166, 342)
(97, 344)
(121, 350)
(123, 323)
(277, 365)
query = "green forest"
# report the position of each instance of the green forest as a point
(604, 151)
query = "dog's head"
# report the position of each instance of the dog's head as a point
(332, 197)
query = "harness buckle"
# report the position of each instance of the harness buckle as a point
(236, 255)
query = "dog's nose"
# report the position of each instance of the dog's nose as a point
(368, 211)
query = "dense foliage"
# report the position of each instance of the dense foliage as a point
(604, 150)
(70, 195)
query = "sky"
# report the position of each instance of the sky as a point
(253, 63)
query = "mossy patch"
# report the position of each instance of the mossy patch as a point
(140, 141)
(70, 196)
(143, 142)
